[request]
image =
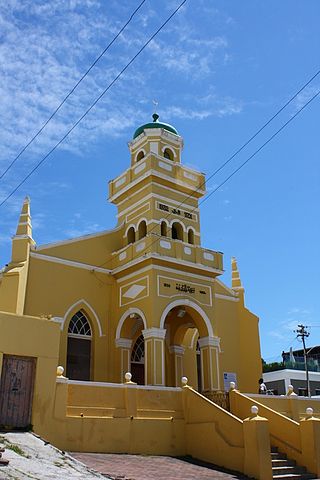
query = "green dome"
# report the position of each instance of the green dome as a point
(155, 124)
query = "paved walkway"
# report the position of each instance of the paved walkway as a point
(139, 467)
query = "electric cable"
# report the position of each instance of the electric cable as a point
(260, 148)
(92, 105)
(247, 142)
(72, 90)
(246, 161)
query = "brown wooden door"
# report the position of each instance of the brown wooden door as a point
(16, 390)
(78, 358)
(137, 372)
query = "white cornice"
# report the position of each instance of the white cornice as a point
(154, 132)
(226, 297)
(209, 342)
(164, 269)
(154, 333)
(225, 287)
(69, 263)
(157, 174)
(123, 343)
(196, 266)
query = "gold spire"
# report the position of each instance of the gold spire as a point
(24, 227)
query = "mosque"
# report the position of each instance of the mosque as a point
(144, 297)
(126, 314)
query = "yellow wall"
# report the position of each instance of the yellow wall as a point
(37, 338)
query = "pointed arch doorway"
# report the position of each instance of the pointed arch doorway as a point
(79, 347)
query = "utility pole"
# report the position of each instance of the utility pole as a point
(303, 333)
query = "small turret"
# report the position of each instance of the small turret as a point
(236, 280)
(22, 240)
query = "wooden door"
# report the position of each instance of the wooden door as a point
(16, 390)
(78, 358)
(137, 371)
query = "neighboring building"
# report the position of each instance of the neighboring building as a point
(144, 297)
(294, 359)
(279, 381)
(292, 372)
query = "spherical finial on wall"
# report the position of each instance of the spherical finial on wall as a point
(232, 385)
(128, 377)
(60, 371)
(254, 410)
(184, 381)
(309, 412)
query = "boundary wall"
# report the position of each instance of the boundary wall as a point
(300, 441)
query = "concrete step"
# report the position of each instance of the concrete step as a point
(295, 476)
(278, 456)
(287, 470)
(282, 462)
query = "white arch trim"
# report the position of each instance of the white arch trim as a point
(189, 303)
(176, 220)
(139, 151)
(128, 228)
(126, 314)
(83, 303)
(164, 220)
(143, 219)
(169, 148)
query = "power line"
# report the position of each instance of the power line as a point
(93, 104)
(260, 148)
(71, 91)
(242, 165)
(202, 184)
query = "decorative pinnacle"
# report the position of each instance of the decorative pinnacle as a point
(155, 117)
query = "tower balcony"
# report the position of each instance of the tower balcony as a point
(166, 171)
(169, 250)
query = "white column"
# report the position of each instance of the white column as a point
(125, 345)
(210, 374)
(154, 355)
(178, 352)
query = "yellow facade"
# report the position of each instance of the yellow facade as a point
(149, 276)
(144, 298)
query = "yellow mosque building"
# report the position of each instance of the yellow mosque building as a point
(145, 298)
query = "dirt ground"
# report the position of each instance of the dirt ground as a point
(32, 458)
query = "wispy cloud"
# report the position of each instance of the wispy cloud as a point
(46, 46)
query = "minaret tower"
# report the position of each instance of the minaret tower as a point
(157, 195)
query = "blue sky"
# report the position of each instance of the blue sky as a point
(219, 70)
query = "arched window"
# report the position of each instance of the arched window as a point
(131, 235)
(163, 229)
(177, 231)
(191, 236)
(79, 347)
(140, 156)
(137, 354)
(79, 325)
(168, 154)
(142, 229)
(137, 361)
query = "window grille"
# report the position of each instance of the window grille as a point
(137, 354)
(79, 325)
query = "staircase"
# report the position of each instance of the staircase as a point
(285, 469)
